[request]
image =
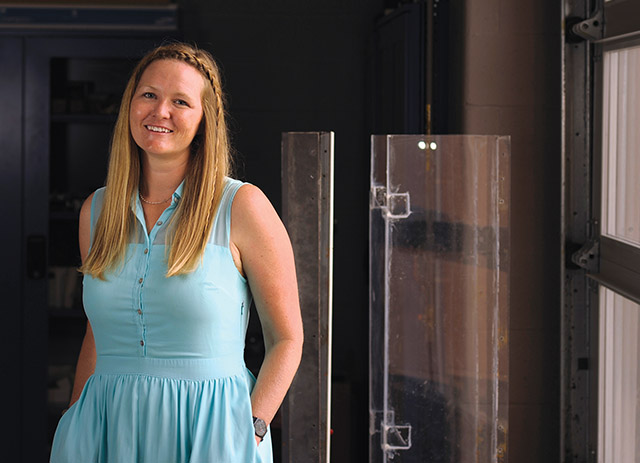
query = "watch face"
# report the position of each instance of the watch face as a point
(260, 426)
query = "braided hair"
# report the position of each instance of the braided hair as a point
(209, 164)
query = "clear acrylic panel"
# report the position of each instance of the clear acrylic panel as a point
(621, 145)
(439, 276)
(619, 379)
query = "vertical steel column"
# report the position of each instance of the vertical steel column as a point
(307, 211)
(578, 423)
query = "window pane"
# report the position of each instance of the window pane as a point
(621, 145)
(619, 352)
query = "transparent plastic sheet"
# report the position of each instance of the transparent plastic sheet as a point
(439, 295)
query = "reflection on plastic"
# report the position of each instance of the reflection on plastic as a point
(439, 272)
(423, 145)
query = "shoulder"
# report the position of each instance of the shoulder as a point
(90, 209)
(249, 198)
(252, 215)
(259, 241)
(230, 188)
(85, 210)
(85, 224)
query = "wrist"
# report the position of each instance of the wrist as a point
(259, 427)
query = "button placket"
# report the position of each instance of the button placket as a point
(146, 253)
(145, 258)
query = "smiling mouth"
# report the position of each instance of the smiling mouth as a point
(156, 129)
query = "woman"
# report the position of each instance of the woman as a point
(173, 252)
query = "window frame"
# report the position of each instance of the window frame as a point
(601, 261)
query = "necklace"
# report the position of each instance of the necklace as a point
(153, 202)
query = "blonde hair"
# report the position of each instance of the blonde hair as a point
(203, 183)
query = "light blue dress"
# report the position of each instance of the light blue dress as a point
(170, 383)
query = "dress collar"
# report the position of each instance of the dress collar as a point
(139, 212)
(177, 195)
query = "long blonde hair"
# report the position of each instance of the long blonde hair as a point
(203, 184)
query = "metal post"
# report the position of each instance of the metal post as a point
(578, 434)
(307, 210)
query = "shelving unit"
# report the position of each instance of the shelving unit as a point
(58, 133)
(84, 101)
(85, 94)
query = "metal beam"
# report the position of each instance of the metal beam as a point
(579, 301)
(307, 212)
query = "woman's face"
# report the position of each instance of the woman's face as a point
(166, 108)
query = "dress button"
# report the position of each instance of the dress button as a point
(139, 312)
(160, 222)
(140, 280)
(142, 343)
(146, 251)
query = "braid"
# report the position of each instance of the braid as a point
(203, 62)
(168, 52)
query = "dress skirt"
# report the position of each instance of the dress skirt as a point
(150, 410)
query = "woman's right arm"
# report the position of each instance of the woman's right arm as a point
(87, 359)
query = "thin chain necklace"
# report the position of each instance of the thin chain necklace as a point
(153, 202)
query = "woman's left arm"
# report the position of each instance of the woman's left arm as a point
(260, 244)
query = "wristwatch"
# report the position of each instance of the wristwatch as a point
(260, 427)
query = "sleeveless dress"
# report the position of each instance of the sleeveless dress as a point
(170, 383)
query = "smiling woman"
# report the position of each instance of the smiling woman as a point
(174, 251)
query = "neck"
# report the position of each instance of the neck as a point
(160, 178)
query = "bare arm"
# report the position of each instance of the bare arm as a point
(260, 240)
(87, 357)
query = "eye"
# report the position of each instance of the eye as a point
(148, 95)
(182, 103)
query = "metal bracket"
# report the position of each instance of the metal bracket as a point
(590, 29)
(375, 421)
(588, 256)
(393, 437)
(398, 205)
(379, 197)
(397, 438)
(395, 205)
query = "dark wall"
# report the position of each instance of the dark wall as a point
(302, 66)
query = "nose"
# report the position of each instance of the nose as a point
(162, 108)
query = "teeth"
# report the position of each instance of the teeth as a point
(158, 129)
